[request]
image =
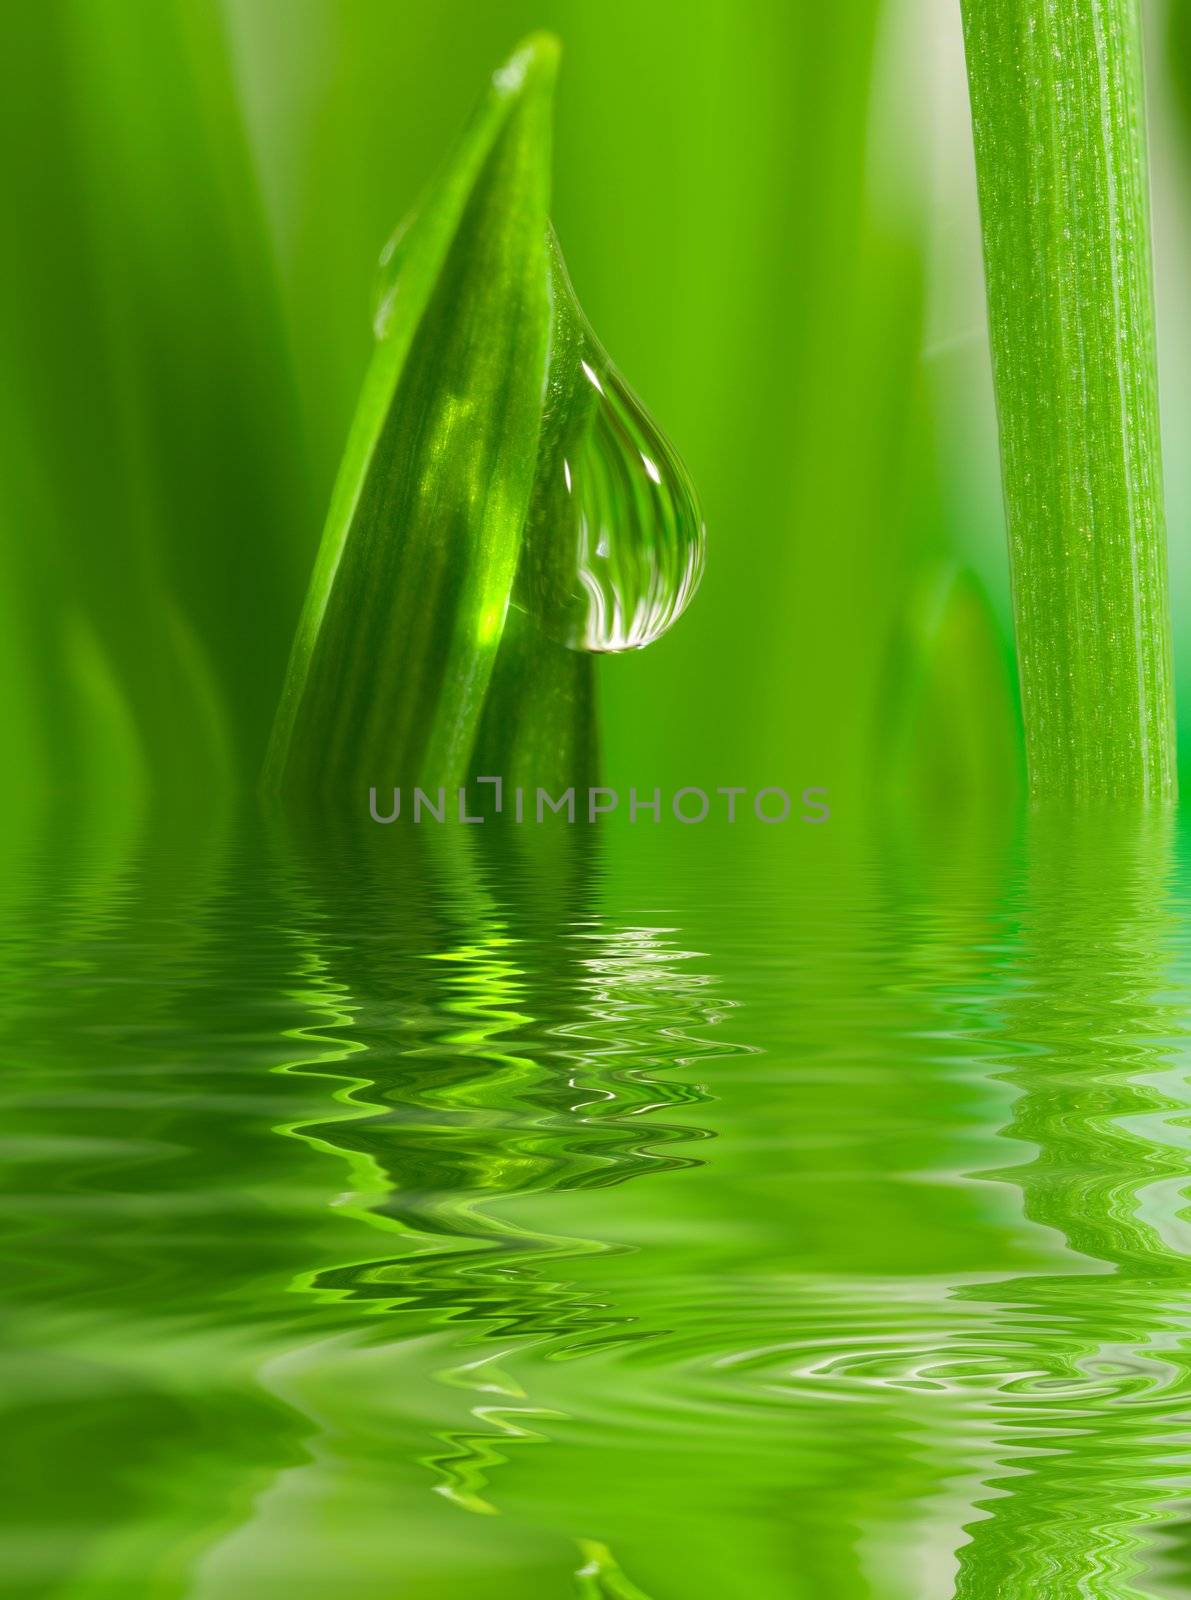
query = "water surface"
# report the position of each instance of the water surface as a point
(660, 1214)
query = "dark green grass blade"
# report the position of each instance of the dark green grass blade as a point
(153, 501)
(1058, 115)
(406, 610)
(81, 520)
(539, 725)
(948, 731)
(177, 231)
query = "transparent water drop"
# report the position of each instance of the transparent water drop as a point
(387, 282)
(615, 542)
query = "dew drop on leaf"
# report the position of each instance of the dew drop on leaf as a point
(387, 280)
(614, 543)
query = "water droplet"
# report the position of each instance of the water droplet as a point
(614, 543)
(387, 282)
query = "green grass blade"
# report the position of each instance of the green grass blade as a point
(407, 606)
(81, 512)
(1058, 116)
(152, 505)
(177, 232)
(1178, 55)
(539, 723)
(947, 730)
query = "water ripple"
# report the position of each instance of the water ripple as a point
(636, 1218)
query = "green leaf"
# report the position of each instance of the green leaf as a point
(407, 607)
(1058, 116)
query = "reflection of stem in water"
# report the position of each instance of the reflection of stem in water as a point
(1089, 1431)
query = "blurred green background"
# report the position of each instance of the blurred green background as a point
(768, 208)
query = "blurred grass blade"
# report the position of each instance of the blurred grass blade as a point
(948, 731)
(407, 605)
(1058, 116)
(1178, 55)
(88, 517)
(177, 232)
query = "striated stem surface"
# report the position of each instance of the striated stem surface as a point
(1058, 118)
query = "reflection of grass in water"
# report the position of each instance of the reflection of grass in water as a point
(1088, 1435)
(600, 1577)
(513, 1041)
(120, 1351)
(828, 1387)
(500, 1039)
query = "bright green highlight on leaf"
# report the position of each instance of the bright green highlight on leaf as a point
(499, 470)
(1058, 115)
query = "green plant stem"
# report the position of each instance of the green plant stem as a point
(1058, 117)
